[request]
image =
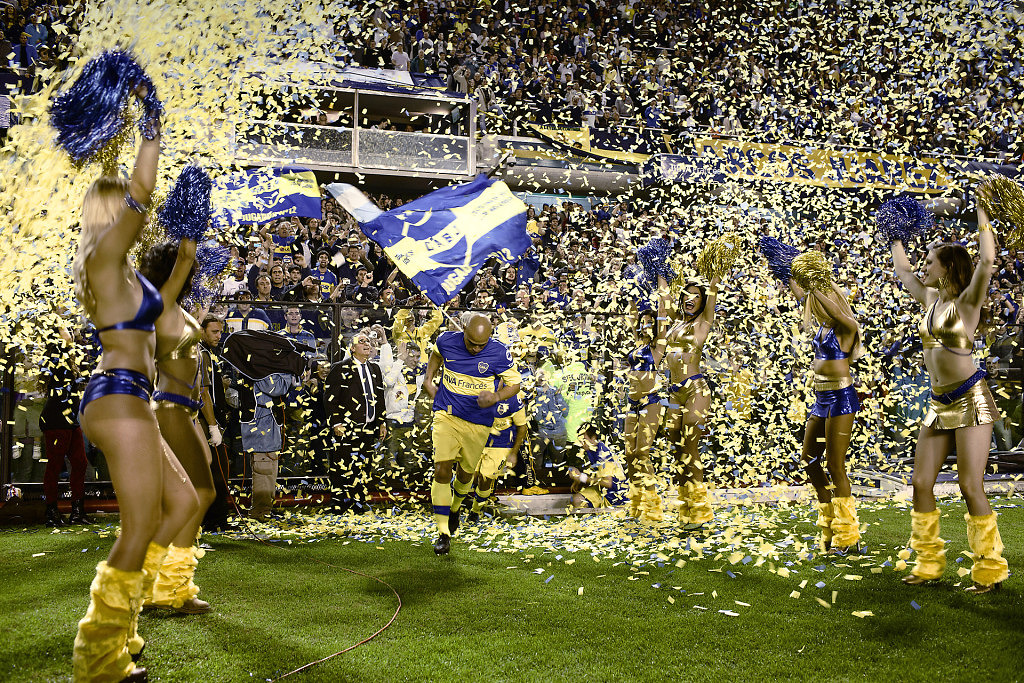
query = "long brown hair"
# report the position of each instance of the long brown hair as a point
(958, 264)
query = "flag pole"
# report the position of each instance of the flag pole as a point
(501, 163)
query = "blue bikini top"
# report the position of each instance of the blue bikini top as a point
(641, 360)
(149, 310)
(826, 346)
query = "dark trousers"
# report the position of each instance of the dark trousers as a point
(352, 469)
(58, 443)
(217, 514)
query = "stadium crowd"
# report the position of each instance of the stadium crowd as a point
(561, 307)
(884, 77)
(668, 68)
(677, 67)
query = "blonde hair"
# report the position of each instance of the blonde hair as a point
(101, 206)
(813, 311)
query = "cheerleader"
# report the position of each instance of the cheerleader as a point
(952, 291)
(645, 407)
(689, 397)
(827, 432)
(830, 424)
(171, 559)
(154, 495)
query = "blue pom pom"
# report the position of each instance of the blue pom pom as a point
(186, 213)
(211, 260)
(780, 256)
(902, 217)
(653, 258)
(92, 112)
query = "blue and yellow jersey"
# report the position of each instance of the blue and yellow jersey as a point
(511, 415)
(464, 376)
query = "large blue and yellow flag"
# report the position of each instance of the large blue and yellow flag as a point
(264, 194)
(442, 239)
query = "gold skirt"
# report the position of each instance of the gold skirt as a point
(976, 407)
(829, 383)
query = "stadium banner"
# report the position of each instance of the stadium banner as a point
(718, 160)
(624, 145)
(442, 239)
(264, 194)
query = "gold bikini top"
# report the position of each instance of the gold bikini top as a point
(945, 330)
(682, 338)
(186, 343)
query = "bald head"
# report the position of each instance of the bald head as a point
(477, 333)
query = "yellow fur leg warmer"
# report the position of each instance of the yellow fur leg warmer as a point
(650, 507)
(636, 495)
(845, 525)
(101, 652)
(925, 541)
(155, 555)
(696, 494)
(987, 548)
(173, 585)
(824, 522)
(684, 506)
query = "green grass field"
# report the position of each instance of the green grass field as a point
(589, 598)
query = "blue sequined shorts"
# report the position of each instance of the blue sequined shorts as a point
(116, 381)
(834, 397)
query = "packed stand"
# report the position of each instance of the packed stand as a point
(762, 71)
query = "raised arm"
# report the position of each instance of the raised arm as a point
(797, 290)
(659, 342)
(708, 316)
(113, 245)
(973, 297)
(905, 273)
(840, 318)
(179, 273)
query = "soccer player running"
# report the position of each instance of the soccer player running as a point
(471, 365)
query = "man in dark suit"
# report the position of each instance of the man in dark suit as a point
(214, 416)
(354, 394)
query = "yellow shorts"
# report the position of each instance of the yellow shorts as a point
(493, 461)
(459, 440)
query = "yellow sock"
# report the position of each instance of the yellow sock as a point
(441, 499)
(481, 498)
(459, 492)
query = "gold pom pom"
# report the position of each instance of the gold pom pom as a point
(811, 270)
(1003, 200)
(717, 257)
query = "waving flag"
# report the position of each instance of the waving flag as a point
(264, 194)
(441, 240)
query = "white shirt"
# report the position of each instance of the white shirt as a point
(369, 395)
